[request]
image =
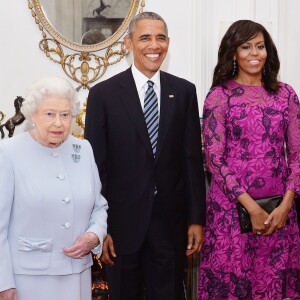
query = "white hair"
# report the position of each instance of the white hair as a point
(49, 86)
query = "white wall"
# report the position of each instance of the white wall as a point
(195, 28)
(214, 17)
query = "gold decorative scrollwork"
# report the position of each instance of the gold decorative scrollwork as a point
(80, 120)
(142, 6)
(83, 66)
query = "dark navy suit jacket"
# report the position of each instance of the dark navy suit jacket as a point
(116, 129)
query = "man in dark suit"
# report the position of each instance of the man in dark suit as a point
(147, 144)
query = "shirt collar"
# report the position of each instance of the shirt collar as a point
(140, 79)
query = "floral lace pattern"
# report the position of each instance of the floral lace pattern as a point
(252, 144)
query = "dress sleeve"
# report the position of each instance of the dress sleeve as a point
(293, 141)
(98, 220)
(214, 136)
(6, 202)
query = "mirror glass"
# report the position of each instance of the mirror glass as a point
(76, 23)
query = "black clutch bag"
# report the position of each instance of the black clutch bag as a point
(267, 204)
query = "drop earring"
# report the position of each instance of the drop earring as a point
(264, 71)
(234, 67)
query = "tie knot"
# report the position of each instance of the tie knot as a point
(150, 83)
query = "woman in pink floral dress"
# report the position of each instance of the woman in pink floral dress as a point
(252, 150)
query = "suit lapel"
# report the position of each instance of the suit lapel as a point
(132, 105)
(167, 103)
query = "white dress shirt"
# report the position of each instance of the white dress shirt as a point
(141, 84)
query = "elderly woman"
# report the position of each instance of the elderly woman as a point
(52, 212)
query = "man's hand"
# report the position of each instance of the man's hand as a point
(195, 239)
(83, 245)
(107, 250)
(10, 294)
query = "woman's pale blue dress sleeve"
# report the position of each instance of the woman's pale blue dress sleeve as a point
(6, 202)
(98, 220)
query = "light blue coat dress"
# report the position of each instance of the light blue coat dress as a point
(48, 197)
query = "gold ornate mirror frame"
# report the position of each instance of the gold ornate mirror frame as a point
(81, 64)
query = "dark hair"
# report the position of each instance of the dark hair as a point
(238, 33)
(146, 15)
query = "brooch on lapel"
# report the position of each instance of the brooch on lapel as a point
(76, 148)
(76, 157)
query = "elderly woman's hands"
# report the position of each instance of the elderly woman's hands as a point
(82, 246)
(10, 294)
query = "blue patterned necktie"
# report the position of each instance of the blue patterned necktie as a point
(151, 115)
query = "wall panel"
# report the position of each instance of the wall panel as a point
(211, 19)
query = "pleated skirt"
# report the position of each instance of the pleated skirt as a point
(62, 287)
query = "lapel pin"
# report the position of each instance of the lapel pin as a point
(76, 148)
(76, 158)
(171, 96)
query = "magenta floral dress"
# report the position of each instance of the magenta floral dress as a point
(252, 144)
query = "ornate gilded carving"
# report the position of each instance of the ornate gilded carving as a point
(142, 6)
(99, 286)
(80, 120)
(82, 66)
